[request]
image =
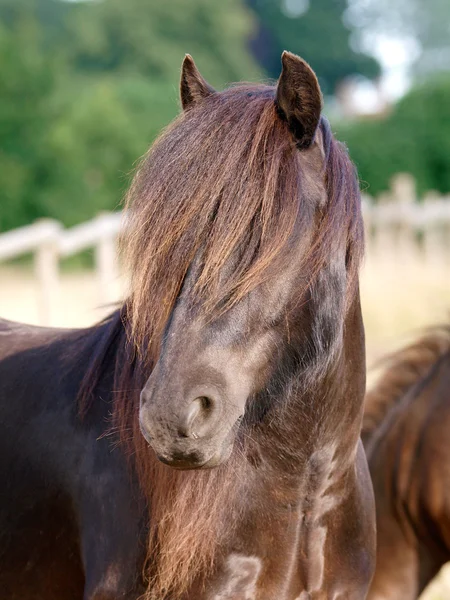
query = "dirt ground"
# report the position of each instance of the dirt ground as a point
(398, 300)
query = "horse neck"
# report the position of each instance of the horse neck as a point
(322, 417)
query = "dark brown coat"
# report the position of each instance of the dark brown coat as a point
(407, 440)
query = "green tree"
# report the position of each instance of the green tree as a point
(26, 113)
(151, 37)
(315, 30)
(94, 144)
(87, 86)
(414, 138)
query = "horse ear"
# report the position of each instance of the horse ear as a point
(299, 99)
(192, 85)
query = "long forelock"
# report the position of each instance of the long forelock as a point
(224, 178)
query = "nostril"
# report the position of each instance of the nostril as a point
(205, 402)
(196, 417)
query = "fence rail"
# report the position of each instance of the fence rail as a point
(49, 242)
(399, 228)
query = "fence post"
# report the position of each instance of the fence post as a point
(366, 207)
(433, 244)
(403, 186)
(404, 194)
(46, 265)
(382, 238)
(106, 261)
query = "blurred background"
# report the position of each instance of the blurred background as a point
(86, 86)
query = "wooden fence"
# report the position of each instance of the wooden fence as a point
(403, 229)
(400, 229)
(49, 242)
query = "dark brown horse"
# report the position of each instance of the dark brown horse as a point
(407, 439)
(237, 361)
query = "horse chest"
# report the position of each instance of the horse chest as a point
(286, 553)
(239, 579)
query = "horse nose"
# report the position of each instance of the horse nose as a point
(199, 417)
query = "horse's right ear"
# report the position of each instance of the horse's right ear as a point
(299, 99)
(192, 85)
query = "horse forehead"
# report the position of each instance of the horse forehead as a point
(239, 578)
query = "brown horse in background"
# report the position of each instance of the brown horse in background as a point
(406, 435)
(203, 443)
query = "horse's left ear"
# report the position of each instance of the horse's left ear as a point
(299, 99)
(192, 85)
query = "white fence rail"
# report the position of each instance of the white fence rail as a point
(399, 229)
(49, 242)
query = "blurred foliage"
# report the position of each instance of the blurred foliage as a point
(422, 24)
(415, 137)
(315, 30)
(86, 86)
(29, 78)
(150, 37)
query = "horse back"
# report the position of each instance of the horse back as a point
(50, 460)
(433, 451)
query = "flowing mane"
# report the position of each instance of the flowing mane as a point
(225, 178)
(403, 369)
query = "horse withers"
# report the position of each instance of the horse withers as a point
(203, 442)
(407, 439)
